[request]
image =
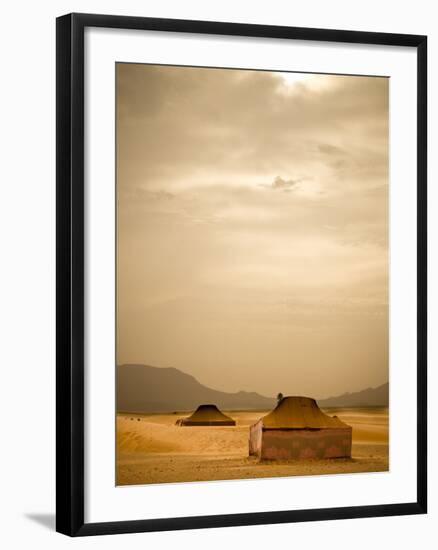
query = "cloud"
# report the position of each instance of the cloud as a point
(284, 185)
(177, 123)
(330, 149)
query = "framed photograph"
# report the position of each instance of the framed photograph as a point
(241, 274)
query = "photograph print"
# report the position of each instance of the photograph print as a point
(252, 274)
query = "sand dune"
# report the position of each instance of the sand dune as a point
(152, 449)
(154, 434)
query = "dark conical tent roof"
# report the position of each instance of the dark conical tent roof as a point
(207, 415)
(299, 413)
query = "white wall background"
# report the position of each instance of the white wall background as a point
(27, 287)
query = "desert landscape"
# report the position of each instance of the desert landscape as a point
(252, 274)
(152, 449)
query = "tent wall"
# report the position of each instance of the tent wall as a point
(297, 444)
(255, 439)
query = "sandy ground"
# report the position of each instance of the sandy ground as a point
(151, 449)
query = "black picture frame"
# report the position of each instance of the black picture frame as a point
(70, 273)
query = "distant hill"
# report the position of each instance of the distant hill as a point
(142, 388)
(371, 397)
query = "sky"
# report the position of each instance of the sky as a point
(252, 216)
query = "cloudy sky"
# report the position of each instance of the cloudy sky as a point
(252, 227)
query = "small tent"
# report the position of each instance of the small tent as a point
(206, 415)
(297, 428)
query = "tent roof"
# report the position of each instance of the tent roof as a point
(207, 413)
(300, 412)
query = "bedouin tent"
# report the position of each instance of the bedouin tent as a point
(206, 415)
(297, 428)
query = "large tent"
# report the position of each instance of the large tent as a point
(297, 428)
(206, 415)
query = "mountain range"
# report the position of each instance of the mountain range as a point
(371, 397)
(143, 388)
